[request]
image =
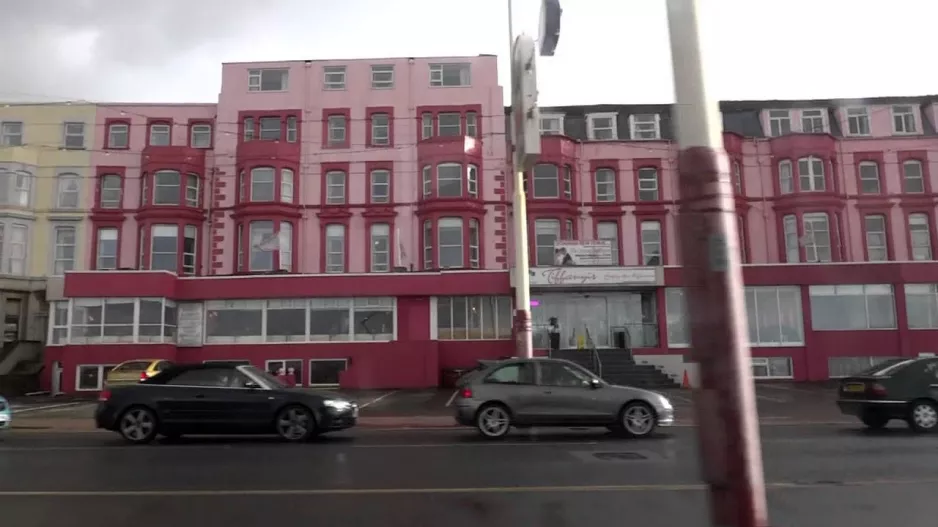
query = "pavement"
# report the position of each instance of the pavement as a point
(782, 404)
(819, 476)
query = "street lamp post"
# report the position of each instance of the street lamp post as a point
(725, 400)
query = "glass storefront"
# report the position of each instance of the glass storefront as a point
(610, 319)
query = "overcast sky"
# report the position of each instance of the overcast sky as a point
(613, 51)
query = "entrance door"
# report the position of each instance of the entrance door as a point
(325, 372)
(588, 312)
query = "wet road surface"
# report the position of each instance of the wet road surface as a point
(818, 476)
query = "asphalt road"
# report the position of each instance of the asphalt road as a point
(823, 476)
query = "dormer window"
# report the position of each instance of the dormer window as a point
(602, 127)
(903, 119)
(645, 127)
(779, 122)
(551, 124)
(812, 122)
(858, 121)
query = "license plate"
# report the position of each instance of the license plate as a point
(855, 388)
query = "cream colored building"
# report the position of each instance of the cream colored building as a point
(46, 188)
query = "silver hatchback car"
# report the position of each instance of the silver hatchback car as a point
(523, 393)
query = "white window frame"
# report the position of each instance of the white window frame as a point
(338, 130)
(336, 183)
(535, 178)
(810, 244)
(63, 181)
(285, 251)
(203, 131)
(335, 231)
(454, 173)
(792, 240)
(377, 73)
(333, 78)
(115, 130)
(108, 203)
(909, 121)
(475, 325)
(193, 188)
(472, 180)
(920, 222)
(865, 177)
(786, 177)
(161, 130)
(292, 128)
(376, 232)
(380, 133)
(475, 233)
(781, 118)
(262, 233)
(73, 130)
(859, 116)
(153, 229)
(190, 259)
(546, 226)
(263, 178)
(451, 223)
(605, 185)
(103, 370)
(925, 290)
(591, 127)
(255, 79)
(440, 127)
(16, 265)
(551, 118)
(611, 237)
(919, 178)
(68, 265)
(157, 185)
(286, 185)
(814, 114)
(269, 128)
(647, 253)
(825, 290)
(97, 250)
(877, 245)
(648, 184)
(763, 362)
(7, 135)
(427, 180)
(639, 127)
(439, 77)
(428, 262)
(817, 182)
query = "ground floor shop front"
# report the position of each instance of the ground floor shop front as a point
(402, 331)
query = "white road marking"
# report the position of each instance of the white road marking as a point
(25, 409)
(377, 399)
(791, 389)
(452, 398)
(681, 398)
(771, 399)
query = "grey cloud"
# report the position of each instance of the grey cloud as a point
(132, 37)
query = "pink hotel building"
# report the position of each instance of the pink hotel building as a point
(350, 220)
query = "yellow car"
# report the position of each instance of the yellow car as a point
(134, 371)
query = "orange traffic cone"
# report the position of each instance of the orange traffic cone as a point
(686, 382)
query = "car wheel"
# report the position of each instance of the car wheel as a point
(923, 416)
(493, 421)
(138, 425)
(874, 420)
(637, 419)
(295, 423)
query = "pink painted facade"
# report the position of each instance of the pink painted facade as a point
(388, 181)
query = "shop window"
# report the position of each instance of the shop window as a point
(772, 368)
(114, 321)
(91, 377)
(839, 367)
(473, 317)
(921, 305)
(852, 307)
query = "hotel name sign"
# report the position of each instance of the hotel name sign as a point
(595, 276)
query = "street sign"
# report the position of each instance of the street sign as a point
(550, 27)
(526, 119)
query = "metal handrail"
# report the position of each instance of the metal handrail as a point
(597, 362)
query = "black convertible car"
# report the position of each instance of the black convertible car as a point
(219, 398)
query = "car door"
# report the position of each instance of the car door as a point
(243, 405)
(514, 385)
(565, 396)
(191, 399)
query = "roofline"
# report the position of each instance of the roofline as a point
(368, 59)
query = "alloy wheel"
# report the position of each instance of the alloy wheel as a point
(494, 421)
(925, 416)
(138, 425)
(638, 419)
(294, 424)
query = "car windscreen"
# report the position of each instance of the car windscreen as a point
(885, 370)
(133, 366)
(271, 380)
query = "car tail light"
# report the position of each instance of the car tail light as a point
(878, 389)
(465, 393)
(104, 395)
(144, 376)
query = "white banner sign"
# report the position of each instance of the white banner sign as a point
(582, 253)
(595, 276)
(189, 322)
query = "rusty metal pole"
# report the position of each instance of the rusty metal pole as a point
(730, 450)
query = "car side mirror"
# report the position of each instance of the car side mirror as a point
(251, 385)
(595, 384)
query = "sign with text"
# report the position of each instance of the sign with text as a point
(189, 324)
(595, 276)
(582, 253)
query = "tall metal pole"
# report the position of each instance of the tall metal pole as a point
(725, 400)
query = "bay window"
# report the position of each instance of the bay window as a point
(172, 247)
(817, 236)
(474, 255)
(190, 242)
(449, 180)
(262, 185)
(285, 241)
(164, 248)
(428, 245)
(786, 182)
(811, 174)
(546, 181)
(264, 241)
(450, 242)
(852, 307)
(453, 180)
(171, 188)
(286, 185)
